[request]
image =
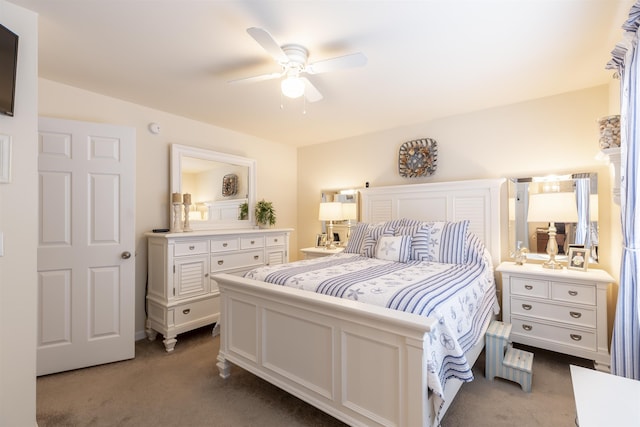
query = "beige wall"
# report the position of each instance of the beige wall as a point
(276, 163)
(19, 224)
(548, 135)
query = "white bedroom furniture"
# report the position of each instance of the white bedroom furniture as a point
(559, 310)
(363, 364)
(180, 294)
(604, 399)
(314, 252)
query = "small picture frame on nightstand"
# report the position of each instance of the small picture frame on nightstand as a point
(578, 259)
(321, 240)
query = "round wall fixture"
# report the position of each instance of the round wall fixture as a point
(154, 128)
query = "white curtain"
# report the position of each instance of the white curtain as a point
(625, 346)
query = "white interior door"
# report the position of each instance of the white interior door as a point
(86, 265)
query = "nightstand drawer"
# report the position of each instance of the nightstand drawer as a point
(572, 292)
(529, 287)
(577, 316)
(553, 333)
(237, 260)
(190, 248)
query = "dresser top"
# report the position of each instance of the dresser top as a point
(537, 270)
(221, 232)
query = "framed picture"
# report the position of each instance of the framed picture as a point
(321, 240)
(578, 259)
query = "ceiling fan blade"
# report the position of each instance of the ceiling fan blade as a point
(310, 91)
(259, 78)
(341, 62)
(268, 43)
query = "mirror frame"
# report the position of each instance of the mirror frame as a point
(512, 238)
(175, 171)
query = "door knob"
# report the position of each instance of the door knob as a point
(125, 255)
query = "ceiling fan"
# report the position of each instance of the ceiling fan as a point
(292, 59)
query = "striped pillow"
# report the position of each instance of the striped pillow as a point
(394, 248)
(441, 241)
(371, 239)
(356, 238)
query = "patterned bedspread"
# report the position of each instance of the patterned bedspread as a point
(461, 296)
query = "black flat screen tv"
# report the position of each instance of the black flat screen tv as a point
(8, 65)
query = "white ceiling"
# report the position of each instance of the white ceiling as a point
(426, 59)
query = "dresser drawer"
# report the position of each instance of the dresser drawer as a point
(553, 333)
(251, 242)
(194, 311)
(236, 260)
(191, 248)
(529, 287)
(226, 244)
(275, 240)
(571, 292)
(582, 316)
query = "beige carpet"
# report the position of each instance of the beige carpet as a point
(184, 389)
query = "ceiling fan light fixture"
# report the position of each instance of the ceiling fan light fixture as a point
(292, 87)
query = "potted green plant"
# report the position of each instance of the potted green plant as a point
(265, 214)
(244, 211)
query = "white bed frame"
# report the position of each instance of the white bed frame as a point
(362, 364)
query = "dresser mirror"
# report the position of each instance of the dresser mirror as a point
(222, 187)
(579, 228)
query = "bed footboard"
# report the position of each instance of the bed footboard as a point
(362, 364)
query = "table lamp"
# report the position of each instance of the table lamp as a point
(330, 211)
(552, 208)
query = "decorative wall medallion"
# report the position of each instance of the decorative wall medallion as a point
(230, 185)
(418, 158)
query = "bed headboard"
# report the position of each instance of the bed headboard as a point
(475, 200)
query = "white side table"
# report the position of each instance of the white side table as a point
(314, 252)
(605, 400)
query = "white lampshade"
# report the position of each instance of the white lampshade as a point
(552, 207)
(330, 211)
(349, 211)
(292, 87)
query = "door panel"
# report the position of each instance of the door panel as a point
(86, 288)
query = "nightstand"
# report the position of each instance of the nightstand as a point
(314, 252)
(558, 310)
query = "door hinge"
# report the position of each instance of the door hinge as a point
(174, 292)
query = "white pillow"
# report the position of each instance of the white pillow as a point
(393, 248)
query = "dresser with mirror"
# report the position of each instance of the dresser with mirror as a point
(181, 293)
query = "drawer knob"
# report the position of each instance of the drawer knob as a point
(575, 314)
(575, 337)
(253, 242)
(527, 327)
(526, 306)
(186, 311)
(191, 247)
(220, 262)
(225, 244)
(206, 274)
(573, 293)
(528, 287)
(256, 257)
(275, 240)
